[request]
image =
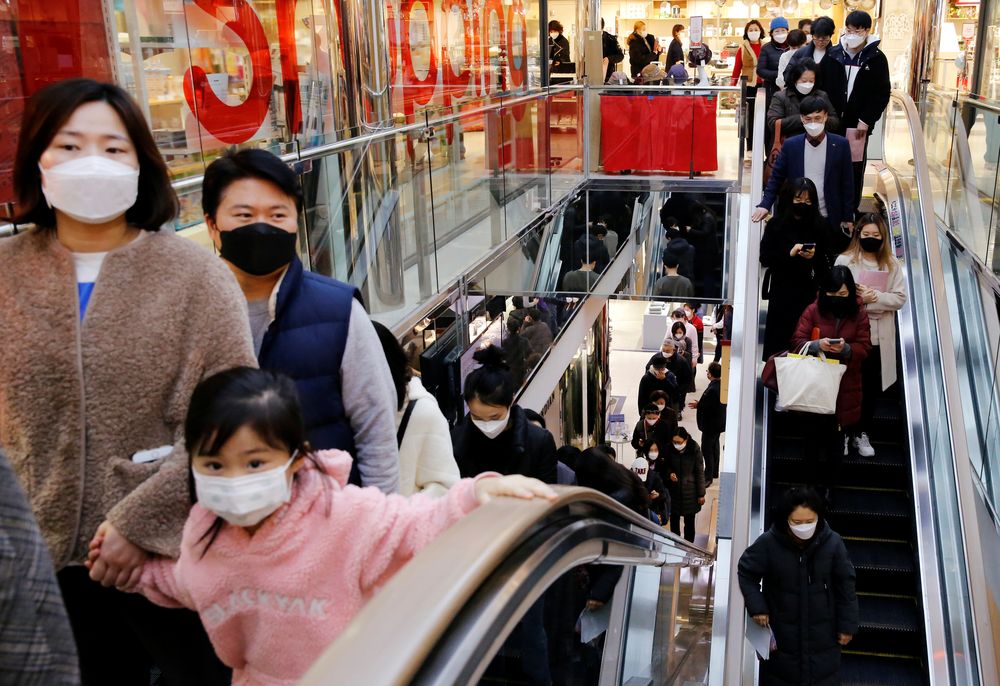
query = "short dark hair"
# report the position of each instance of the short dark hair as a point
(682, 432)
(47, 111)
(533, 416)
(534, 313)
(651, 408)
(797, 496)
(823, 27)
(679, 312)
(600, 229)
(797, 68)
(658, 395)
(715, 370)
(658, 361)
(251, 163)
(750, 23)
(678, 325)
(805, 22)
(491, 383)
(796, 38)
(555, 25)
(812, 104)
(858, 19)
(399, 366)
(670, 260)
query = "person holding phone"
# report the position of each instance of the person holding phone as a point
(793, 250)
(836, 325)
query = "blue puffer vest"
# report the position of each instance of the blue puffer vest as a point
(306, 342)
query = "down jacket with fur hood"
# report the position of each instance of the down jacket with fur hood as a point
(79, 398)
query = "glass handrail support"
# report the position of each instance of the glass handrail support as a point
(477, 580)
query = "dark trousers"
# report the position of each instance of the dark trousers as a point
(530, 639)
(823, 449)
(710, 449)
(859, 175)
(121, 636)
(675, 525)
(871, 387)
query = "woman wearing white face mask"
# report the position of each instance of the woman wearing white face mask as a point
(642, 49)
(120, 323)
(684, 473)
(496, 436)
(797, 579)
(801, 83)
(747, 58)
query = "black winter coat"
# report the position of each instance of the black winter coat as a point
(711, 412)
(808, 594)
(767, 66)
(650, 383)
(791, 283)
(660, 433)
(872, 86)
(680, 367)
(522, 448)
(640, 53)
(675, 53)
(830, 79)
(689, 466)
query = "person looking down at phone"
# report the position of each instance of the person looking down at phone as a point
(837, 326)
(794, 252)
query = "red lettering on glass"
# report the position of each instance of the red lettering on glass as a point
(455, 85)
(417, 90)
(518, 65)
(496, 7)
(233, 123)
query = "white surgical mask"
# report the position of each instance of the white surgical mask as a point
(245, 500)
(779, 36)
(809, 38)
(678, 336)
(90, 189)
(803, 531)
(804, 87)
(493, 427)
(653, 456)
(552, 34)
(662, 406)
(651, 422)
(680, 446)
(814, 128)
(642, 33)
(852, 41)
(753, 35)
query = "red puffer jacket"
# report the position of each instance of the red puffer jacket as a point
(856, 332)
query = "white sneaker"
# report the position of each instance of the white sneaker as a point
(864, 446)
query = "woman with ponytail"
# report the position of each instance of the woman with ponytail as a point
(496, 436)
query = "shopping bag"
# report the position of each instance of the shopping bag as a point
(807, 383)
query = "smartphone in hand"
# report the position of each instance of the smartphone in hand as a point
(808, 246)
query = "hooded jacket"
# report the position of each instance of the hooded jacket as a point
(689, 466)
(272, 602)
(522, 448)
(864, 93)
(426, 461)
(79, 398)
(808, 593)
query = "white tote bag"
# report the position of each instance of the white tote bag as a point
(807, 383)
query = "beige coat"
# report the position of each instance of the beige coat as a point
(882, 313)
(79, 399)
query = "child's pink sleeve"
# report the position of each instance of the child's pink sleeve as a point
(408, 524)
(158, 582)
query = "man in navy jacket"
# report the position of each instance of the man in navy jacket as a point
(823, 157)
(309, 327)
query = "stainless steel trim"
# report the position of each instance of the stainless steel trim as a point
(990, 106)
(927, 543)
(978, 588)
(479, 577)
(728, 652)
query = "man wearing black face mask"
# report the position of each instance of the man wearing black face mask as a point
(309, 327)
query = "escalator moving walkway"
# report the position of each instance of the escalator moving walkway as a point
(872, 509)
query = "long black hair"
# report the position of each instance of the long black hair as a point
(838, 277)
(399, 365)
(491, 383)
(785, 213)
(222, 404)
(594, 469)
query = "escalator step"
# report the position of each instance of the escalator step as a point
(889, 468)
(862, 512)
(889, 613)
(885, 567)
(879, 670)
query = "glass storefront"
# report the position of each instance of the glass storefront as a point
(281, 74)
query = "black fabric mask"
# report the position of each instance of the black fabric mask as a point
(801, 209)
(871, 244)
(258, 249)
(839, 306)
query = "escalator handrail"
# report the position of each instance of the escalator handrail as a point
(979, 603)
(412, 613)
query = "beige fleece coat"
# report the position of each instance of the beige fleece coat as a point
(79, 399)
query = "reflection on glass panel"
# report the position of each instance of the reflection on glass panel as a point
(563, 138)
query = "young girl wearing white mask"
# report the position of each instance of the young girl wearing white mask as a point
(109, 325)
(495, 436)
(279, 552)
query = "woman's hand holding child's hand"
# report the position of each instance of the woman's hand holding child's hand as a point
(113, 560)
(514, 486)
